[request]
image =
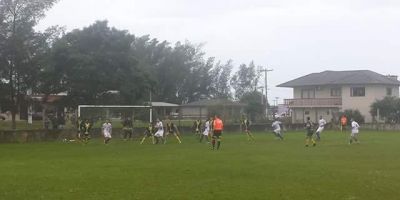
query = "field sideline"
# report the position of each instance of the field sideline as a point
(265, 169)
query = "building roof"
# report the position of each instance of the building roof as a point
(342, 78)
(213, 102)
(163, 104)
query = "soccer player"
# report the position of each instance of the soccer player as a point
(172, 129)
(246, 126)
(87, 127)
(79, 127)
(218, 127)
(127, 128)
(206, 132)
(107, 131)
(343, 122)
(197, 127)
(159, 135)
(321, 127)
(148, 133)
(276, 126)
(310, 133)
(354, 131)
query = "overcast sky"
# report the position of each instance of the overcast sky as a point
(293, 37)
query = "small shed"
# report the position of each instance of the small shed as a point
(204, 108)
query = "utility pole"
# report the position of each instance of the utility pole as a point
(262, 94)
(265, 70)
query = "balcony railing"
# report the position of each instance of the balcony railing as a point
(319, 102)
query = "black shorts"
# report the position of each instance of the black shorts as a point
(310, 133)
(217, 133)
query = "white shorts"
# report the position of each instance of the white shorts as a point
(159, 133)
(107, 135)
(277, 131)
(320, 129)
(206, 132)
(354, 133)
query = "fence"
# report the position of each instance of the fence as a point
(23, 136)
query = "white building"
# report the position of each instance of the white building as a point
(329, 92)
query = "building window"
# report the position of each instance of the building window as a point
(389, 91)
(307, 93)
(307, 112)
(357, 92)
(336, 92)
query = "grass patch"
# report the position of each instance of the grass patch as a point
(265, 169)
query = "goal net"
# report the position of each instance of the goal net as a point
(98, 114)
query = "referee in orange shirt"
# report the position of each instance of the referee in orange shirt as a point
(218, 127)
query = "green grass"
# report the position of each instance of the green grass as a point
(266, 169)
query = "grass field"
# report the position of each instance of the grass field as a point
(265, 169)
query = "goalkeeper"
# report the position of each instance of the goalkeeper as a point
(127, 128)
(87, 127)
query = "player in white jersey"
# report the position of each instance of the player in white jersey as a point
(107, 131)
(159, 135)
(321, 127)
(354, 132)
(276, 126)
(206, 132)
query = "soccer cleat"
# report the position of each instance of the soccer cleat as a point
(306, 145)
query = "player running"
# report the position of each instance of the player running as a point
(172, 129)
(159, 135)
(206, 132)
(218, 127)
(354, 132)
(148, 133)
(246, 126)
(321, 127)
(276, 126)
(310, 133)
(107, 131)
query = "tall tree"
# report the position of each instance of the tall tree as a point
(388, 108)
(220, 80)
(255, 108)
(91, 63)
(245, 80)
(180, 72)
(18, 46)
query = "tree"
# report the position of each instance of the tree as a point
(180, 73)
(245, 80)
(93, 63)
(255, 107)
(19, 46)
(220, 79)
(389, 109)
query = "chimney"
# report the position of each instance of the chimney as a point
(393, 77)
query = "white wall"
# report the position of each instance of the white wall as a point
(372, 93)
(363, 104)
